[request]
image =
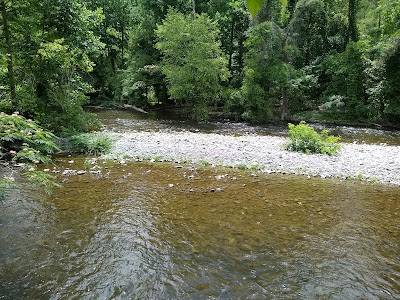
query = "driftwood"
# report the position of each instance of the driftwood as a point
(128, 106)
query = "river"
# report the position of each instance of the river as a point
(145, 230)
(124, 120)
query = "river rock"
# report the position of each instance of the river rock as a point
(367, 161)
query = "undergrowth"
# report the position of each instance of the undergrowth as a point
(91, 143)
(24, 142)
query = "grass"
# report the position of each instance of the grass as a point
(90, 143)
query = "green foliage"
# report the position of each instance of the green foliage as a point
(144, 86)
(6, 106)
(355, 81)
(53, 45)
(391, 84)
(62, 96)
(233, 21)
(192, 61)
(24, 140)
(304, 138)
(345, 87)
(309, 28)
(254, 6)
(5, 184)
(40, 179)
(298, 55)
(268, 75)
(89, 143)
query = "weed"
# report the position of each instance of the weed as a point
(204, 162)
(241, 166)
(91, 143)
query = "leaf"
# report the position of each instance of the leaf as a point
(254, 6)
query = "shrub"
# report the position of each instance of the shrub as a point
(90, 143)
(304, 138)
(6, 106)
(24, 141)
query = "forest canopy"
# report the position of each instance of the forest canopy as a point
(335, 60)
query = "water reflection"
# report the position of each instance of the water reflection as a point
(154, 231)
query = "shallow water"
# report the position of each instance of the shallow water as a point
(120, 121)
(163, 231)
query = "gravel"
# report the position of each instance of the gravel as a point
(380, 163)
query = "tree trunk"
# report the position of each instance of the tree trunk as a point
(352, 32)
(231, 47)
(284, 105)
(285, 98)
(10, 64)
(122, 46)
(291, 5)
(241, 50)
(194, 8)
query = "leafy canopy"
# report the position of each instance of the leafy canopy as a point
(192, 61)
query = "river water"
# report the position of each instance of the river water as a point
(167, 231)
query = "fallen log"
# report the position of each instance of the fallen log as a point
(128, 106)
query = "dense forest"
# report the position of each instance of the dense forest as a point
(334, 60)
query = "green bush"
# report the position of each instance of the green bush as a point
(24, 141)
(91, 143)
(6, 106)
(304, 138)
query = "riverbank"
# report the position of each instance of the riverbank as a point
(377, 163)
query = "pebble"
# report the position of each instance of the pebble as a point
(373, 161)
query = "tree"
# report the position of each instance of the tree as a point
(268, 75)
(4, 10)
(352, 34)
(52, 46)
(233, 21)
(142, 56)
(192, 61)
(391, 85)
(114, 33)
(308, 31)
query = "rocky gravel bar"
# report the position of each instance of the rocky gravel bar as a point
(377, 163)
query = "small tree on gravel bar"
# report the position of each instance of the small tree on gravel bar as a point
(303, 138)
